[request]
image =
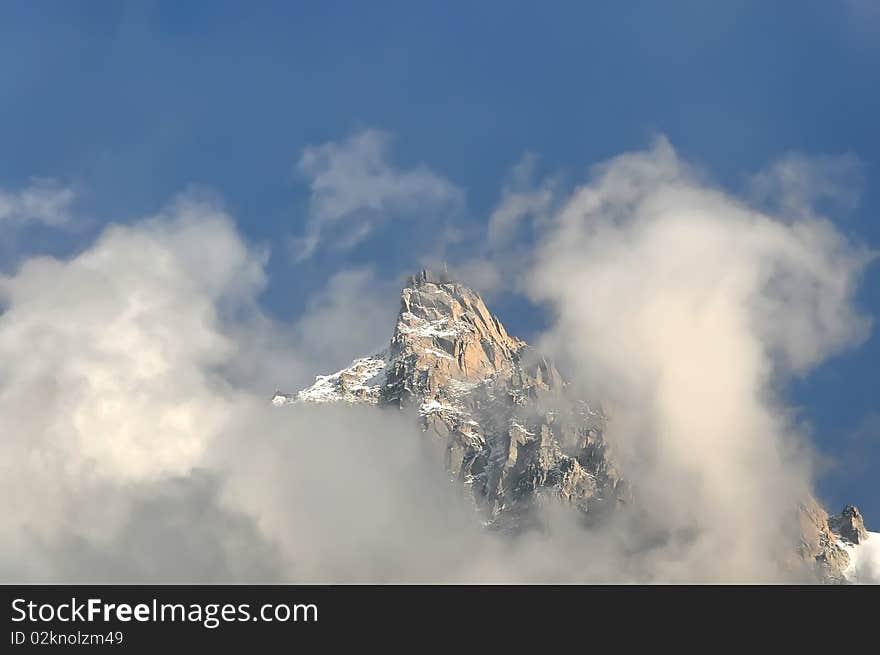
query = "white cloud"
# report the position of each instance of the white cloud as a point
(521, 200)
(353, 313)
(109, 384)
(493, 257)
(683, 309)
(355, 189)
(43, 201)
(103, 343)
(795, 184)
(864, 564)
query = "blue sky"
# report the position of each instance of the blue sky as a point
(131, 103)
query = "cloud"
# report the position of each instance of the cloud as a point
(344, 491)
(355, 189)
(684, 310)
(113, 335)
(493, 256)
(864, 565)
(109, 386)
(175, 530)
(351, 314)
(796, 184)
(521, 201)
(139, 441)
(42, 201)
(862, 20)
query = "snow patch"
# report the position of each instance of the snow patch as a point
(439, 353)
(416, 326)
(435, 406)
(517, 426)
(358, 383)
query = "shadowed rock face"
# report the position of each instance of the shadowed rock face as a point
(507, 426)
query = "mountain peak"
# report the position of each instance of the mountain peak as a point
(444, 331)
(498, 407)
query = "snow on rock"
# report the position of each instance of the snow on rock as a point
(436, 406)
(413, 325)
(514, 425)
(359, 383)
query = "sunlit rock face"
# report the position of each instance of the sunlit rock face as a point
(444, 332)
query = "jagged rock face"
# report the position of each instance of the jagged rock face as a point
(498, 409)
(444, 332)
(819, 544)
(832, 542)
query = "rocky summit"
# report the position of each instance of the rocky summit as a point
(508, 427)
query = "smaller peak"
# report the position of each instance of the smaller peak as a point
(849, 524)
